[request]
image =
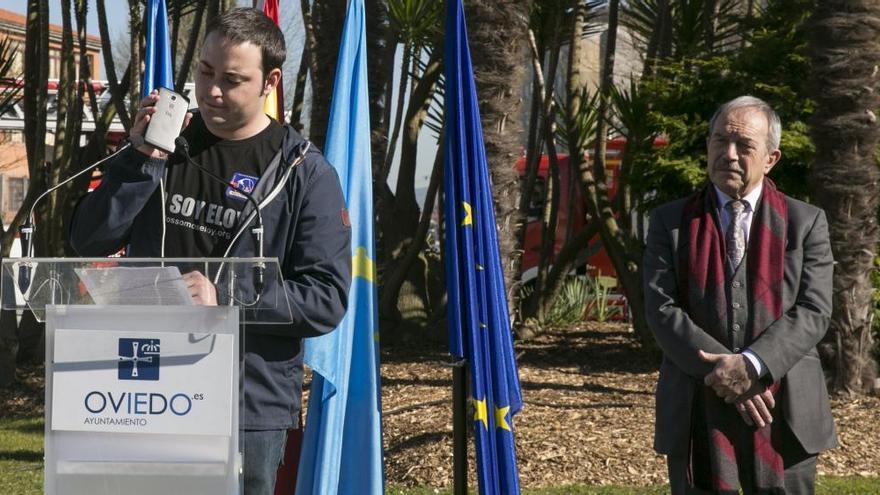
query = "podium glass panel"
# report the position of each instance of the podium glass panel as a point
(34, 283)
(143, 386)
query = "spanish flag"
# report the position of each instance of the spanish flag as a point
(274, 106)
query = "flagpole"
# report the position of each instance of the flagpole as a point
(459, 428)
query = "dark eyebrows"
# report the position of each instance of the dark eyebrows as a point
(234, 74)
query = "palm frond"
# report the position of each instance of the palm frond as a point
(583, 122)
(689, 24)
(630, 108)
(415, 21)
(641, 18)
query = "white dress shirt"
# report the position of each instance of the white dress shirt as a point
(751, 200)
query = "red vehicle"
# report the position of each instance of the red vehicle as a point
(593, 259)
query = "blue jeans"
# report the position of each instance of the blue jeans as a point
(263, 453)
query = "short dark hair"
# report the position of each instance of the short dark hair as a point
(252, 26)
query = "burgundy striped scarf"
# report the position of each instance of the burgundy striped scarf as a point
(724, 449)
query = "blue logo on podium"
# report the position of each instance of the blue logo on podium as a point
(139, 359)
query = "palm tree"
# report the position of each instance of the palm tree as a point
(381, 46)
(682, 29)
(414, 27)
(8, 324)
(327, 19)
(845, 55)
(36, 75)
(498, 56)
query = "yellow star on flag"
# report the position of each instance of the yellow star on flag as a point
(501, 418)
(468, 214)
(362, 265)
(480, 413)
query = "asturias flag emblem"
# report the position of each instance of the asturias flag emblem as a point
(139, 359)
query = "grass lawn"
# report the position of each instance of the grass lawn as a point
(21, 471)
(21, 456)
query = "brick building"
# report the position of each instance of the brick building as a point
(13, 157)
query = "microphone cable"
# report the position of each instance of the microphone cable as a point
(182, 148)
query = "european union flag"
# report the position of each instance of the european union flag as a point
(479, 325)
(157, 59)
(342, 448)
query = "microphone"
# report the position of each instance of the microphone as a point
(27, 229)
(182, 148)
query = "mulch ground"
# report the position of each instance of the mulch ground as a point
(588, 415)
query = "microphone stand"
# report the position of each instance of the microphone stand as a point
(27, 229)
(182, 146)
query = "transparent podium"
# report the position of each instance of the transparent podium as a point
(143, 386)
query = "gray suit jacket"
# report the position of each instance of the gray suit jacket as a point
(787, 347)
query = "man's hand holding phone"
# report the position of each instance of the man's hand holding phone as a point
(142, 118)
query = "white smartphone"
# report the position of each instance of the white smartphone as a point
(165, 124)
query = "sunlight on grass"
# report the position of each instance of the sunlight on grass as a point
(21, 471)
(21, 456)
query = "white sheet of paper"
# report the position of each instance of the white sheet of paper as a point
(154, 285)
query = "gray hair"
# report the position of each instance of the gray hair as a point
(774, 132)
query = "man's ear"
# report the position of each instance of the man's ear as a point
(272, 81)
(772, 159)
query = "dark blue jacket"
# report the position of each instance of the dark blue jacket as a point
(303, 215)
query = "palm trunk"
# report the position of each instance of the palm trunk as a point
(307, 67)
(134, 23)
(405, 71)
(36, 75)
(845, 55)
(327, 18)
(66, 91)
(116, 94)
(36, 65)
(542, 116)
(185, 65)
(624, 251)
(549, 226)
(299, 93)
(379, 40)
(399, 216)
(392, 284)
(499, 73)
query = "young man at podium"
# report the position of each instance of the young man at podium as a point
(192, 215)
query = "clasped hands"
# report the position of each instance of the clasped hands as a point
(736, 381)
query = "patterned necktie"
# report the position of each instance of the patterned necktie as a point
(735, 238)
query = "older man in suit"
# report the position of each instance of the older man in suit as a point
(738, 293)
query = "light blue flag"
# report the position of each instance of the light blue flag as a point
(342, 445)
(157, 60)
(479, 321)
